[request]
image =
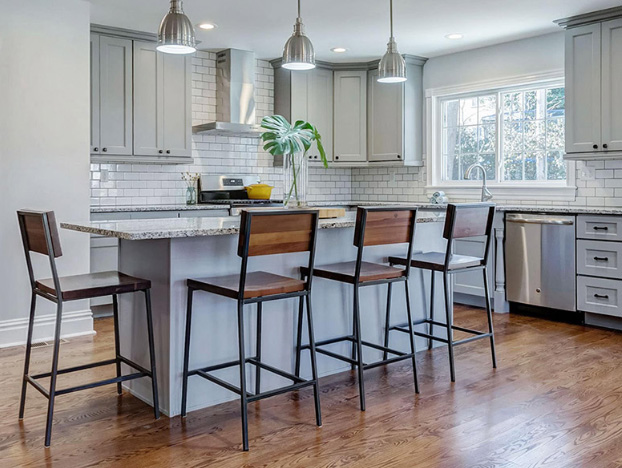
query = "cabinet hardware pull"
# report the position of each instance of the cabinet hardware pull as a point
(600, 228)
(160, 151)
(168, 151)
(336, 157)
(605, 146)
(96, 149)
(399, 157)
(104, 149)
(595, 146)
(601, 296)
(601, 259)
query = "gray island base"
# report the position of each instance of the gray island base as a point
(169, 251)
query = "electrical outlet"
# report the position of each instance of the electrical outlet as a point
(104, 175)
(588, 173)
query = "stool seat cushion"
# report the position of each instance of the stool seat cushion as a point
(258, 284)
(344, 272)
(436, 261)
(92, 285)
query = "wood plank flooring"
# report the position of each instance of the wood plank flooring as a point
(555, 400)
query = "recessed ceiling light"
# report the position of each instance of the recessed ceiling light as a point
(339, 50)
(208, 26)
(454, 36)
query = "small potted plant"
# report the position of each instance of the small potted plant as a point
(292, 142)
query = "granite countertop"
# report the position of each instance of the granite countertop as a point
(353, 203)
(168, 228)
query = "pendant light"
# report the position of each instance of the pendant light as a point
(176, 34)
(392, 67)
(298, 53)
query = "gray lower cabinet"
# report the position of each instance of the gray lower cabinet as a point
(599, 270)
(111, 95)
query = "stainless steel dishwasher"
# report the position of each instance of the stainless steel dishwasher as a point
(540, 260)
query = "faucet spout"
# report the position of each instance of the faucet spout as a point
(486, 195)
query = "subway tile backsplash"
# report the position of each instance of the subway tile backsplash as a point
(156, 184)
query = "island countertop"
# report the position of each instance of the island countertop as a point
(168, 228)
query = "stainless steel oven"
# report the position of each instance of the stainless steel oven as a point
(540, 260)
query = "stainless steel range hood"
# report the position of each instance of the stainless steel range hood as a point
(235, 93)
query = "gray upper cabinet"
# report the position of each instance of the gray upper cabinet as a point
(612, 84)
(115, 96)
(307, 95)
(395, 117)
(583, 84)
(593, 85)
(140, 101)
(162, 113)
(350, 114)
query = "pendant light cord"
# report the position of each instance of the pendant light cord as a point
(391, 13)
(299, 17)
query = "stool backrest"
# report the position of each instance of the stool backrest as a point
(277, 232)
(40, 235)
(384, 226)
(466, 220)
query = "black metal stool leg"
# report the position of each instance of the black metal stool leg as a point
(489, 313)
(299, 336)
(54, 373)
(117, 345)
(316, 386)
(184, 387)
(450, 339)
(359, 346)
(411, 334)
(242, 376)
(258, 350)
(431, 325)
(387, 321)
(353, 353)
(31, 322)
(152, 360)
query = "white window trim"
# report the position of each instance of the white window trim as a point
(537, 190)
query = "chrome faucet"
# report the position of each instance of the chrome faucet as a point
(486, 195)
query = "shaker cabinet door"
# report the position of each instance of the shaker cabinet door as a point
(583, 89)
(176, 105)
(95, 146)
(612, 85)
(320, 109)
(386, 119)
(115, 93)
(350, 114)
(148, 138)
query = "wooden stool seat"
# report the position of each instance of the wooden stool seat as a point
(346, 272)
(436, 261)
(93, 285)
(258, 284)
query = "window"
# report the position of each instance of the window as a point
(516, 134)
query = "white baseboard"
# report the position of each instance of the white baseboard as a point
(77, 323)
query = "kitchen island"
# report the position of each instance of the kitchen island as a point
(168, 251)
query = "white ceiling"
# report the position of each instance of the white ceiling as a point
(362, 26)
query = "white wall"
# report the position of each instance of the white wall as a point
(517, 58)
(44, 148)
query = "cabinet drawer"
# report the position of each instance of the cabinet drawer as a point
(599, 295)
(599, 227)
(597, 258)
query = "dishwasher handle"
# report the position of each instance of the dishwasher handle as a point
(559, 220)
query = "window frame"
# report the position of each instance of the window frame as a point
(526, 190)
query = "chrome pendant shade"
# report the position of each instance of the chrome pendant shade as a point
(176, 33)
(298, 53)
(392, 67)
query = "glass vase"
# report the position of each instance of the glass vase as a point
(295, 177)
(191, 196)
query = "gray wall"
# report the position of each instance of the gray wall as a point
(44, 150)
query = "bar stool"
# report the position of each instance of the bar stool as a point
(40, 235)
(261, 233)
(462, 222)
(374, 226)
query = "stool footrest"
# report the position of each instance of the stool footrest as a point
(399, 355)
(100, 383)
(298, 382)
(478, 335)
(402, 327)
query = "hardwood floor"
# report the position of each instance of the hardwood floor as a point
(555, 400)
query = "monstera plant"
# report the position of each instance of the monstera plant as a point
(292, 142)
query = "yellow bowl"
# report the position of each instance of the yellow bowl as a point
(259, 191)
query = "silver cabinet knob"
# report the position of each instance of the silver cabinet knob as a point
(104, 150)
(160, 151)
(168, 151)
